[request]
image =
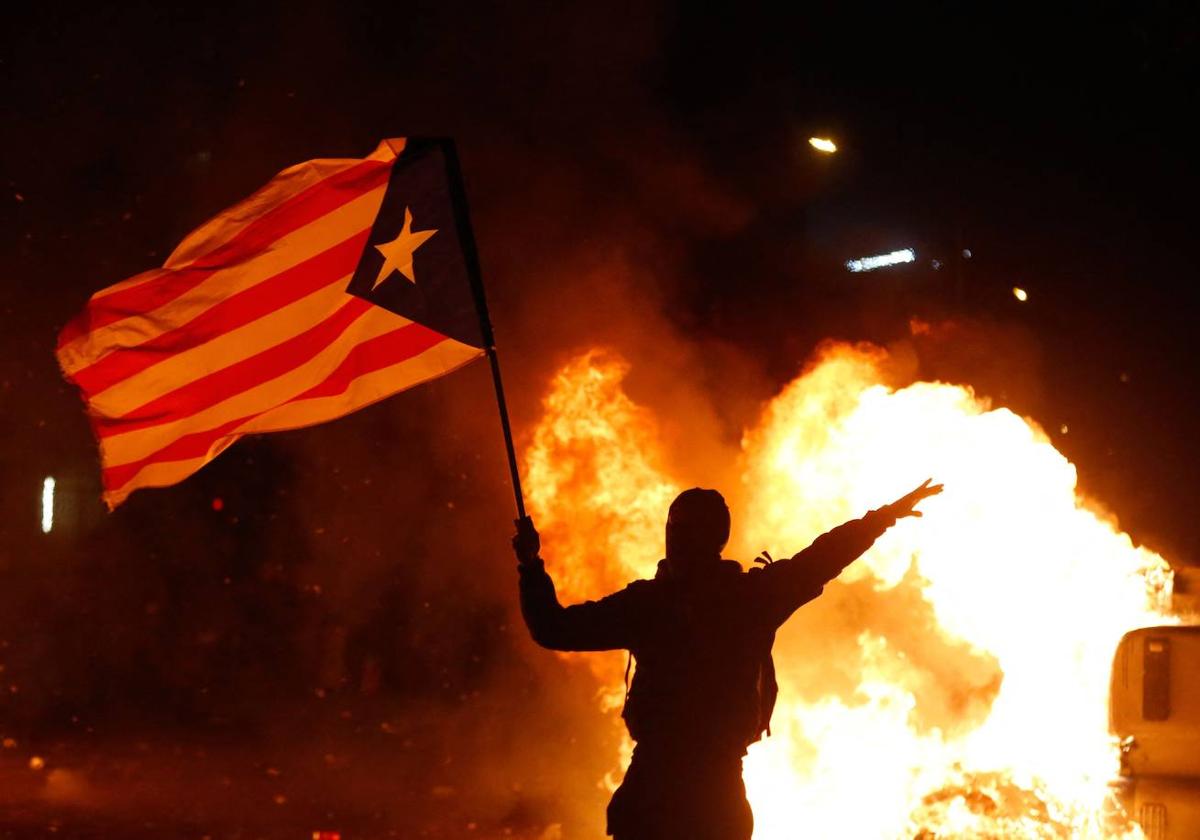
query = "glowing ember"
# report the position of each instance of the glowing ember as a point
(953, 682)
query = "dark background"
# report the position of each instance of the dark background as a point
(634, 170)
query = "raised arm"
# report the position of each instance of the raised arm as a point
(787, 584)
(607, 624)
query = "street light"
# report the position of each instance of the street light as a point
(904, 255)
(47, 504)
(823, 144)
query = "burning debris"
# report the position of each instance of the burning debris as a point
(958, 672)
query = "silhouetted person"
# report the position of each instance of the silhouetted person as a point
(701, 633)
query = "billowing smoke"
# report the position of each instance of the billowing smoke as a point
(319, 628)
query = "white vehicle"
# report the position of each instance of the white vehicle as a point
(1155, 709)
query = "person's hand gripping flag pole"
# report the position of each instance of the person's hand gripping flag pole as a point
(339, 283)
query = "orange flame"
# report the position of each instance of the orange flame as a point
(953, 682)
(594, 480)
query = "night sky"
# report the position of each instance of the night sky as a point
(628, 165)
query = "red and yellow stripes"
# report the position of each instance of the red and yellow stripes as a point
(247, 328)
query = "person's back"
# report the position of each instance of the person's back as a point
(702, 647)
(696, 702)
(701, 634)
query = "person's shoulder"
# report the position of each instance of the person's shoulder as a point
(643, 586)
(641, 594)
(737, 578)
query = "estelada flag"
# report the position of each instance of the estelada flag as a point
(339, 283)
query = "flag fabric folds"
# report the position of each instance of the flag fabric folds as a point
(339, 283)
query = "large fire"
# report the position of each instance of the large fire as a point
(953, 682)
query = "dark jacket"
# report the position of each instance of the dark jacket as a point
(702, 642)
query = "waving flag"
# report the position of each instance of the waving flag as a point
(339, 283)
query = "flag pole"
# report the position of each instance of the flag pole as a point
(467, 240)
(504, 425)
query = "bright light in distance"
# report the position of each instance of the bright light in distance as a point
(47, 504)
(1020, 294)
(904, 255)
(823, 144)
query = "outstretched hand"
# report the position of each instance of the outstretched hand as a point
(526, 543)
(906, 504)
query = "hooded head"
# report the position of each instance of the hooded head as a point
(697, 529)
